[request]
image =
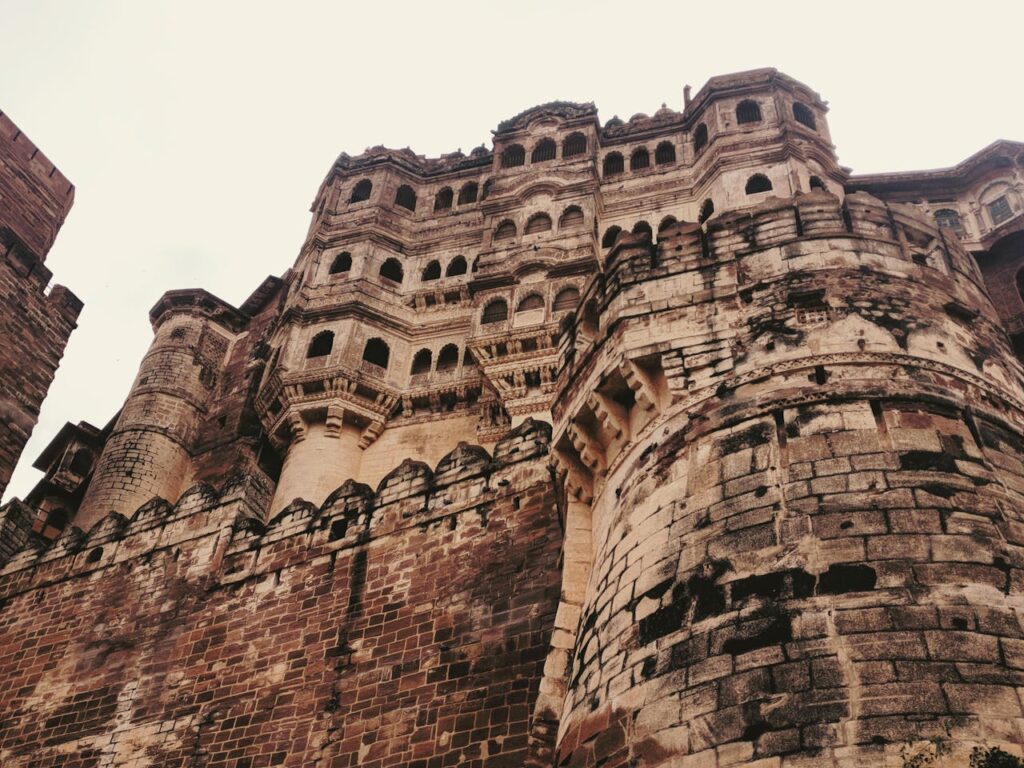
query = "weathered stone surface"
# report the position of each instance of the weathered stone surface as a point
(664, 442)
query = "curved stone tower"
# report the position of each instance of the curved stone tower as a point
(148, 452)
(795, 436)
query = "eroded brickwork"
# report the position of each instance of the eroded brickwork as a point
(34, 323)
(403, 627)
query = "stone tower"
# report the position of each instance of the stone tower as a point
(663, 442)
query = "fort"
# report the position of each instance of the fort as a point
(659, 442)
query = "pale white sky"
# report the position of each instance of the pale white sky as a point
(197, 133)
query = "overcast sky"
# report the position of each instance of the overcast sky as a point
(197, 133)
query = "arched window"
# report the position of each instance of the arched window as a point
(706, 210)
(950, 219)
(641, 227)
(803, 115)
(513, 155)
(321, 345)
(539, 222)
(449, 358)
(456, 266)
(476, 264)
(571, 217)
(444, 199)
(81, 462)
(486, 191)
(545, 150)
(667, 222)
(665, 153)
(421, 362)
(495, 312)
(610, 235)
(432, 271)
(377, 352)
(758, 183)
(700, 138)
(505, 230)
(748, 112)
(533, 301)
(613, 164)
(640, 159)
(574, 144)
(342, 263)
(468, 193)
(361, 191)
(406, 197)
(817, 183)
(392, 270)
(566, 299)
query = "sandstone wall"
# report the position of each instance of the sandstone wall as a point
(798, 434)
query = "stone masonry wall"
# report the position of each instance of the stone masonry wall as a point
(798, 432)
(403, 627)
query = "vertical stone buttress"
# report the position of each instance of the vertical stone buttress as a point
(320, 457)
(799, 435)
(147, 453)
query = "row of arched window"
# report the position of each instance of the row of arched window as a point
(615, 163)
(540, 222)
(376, 351)
(447, 360)
(747, 112)
(546, 149)
(468, 194)
(496, 310)
(456, 267)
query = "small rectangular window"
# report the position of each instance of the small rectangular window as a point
(999, 210)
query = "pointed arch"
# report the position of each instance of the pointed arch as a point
(505, 230)
(422, 362)
(448, 359)
(700, 137)
(361, 191)
(443, 199)
(571, 217)
(342, 263)
(758, 183)
(495, 311)
(406, 197)
(456, 267)
(513, 155)
(544, 151)
(468, 193)
(574, 144)
(640, 159)
(613, 164)
(377, 352)
(392, 270)
(432, 271)
(539, 222)
(610, 235)
(665, 153)
(321, 344)
(566, 299)
(748, 111)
